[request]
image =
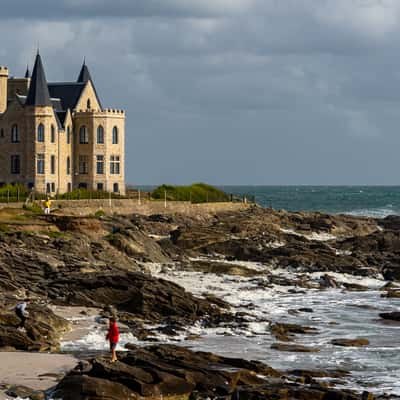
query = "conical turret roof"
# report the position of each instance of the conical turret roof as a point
(84, 75)
(38, 94)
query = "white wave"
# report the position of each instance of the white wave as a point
(95, 340)
(380, 212)
(318, 236)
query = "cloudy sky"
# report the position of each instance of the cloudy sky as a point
(231, 91)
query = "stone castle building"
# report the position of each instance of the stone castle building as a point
(56, 137)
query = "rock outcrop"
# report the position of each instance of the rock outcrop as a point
(175, 372)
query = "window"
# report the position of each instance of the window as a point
(83, 135)
(88, 105)
(100, 135)
(40, 163)
(40, 133)
(53, 134)
(69, 187)
(83, 165)
(115, 135)
(114, 165)
(68, 135)
(53, 187)
(48, 188)
(15, 164)
(53, 164)
(115, 188)
(1, 132)
(100, 186)
(14, 134)
(82, 185)
(68, 166)
(100, 164)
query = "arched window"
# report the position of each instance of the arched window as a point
(53, 134)
(14, 134)
(100, 135)
(40, 133)
(68, 135)
(115, 135)
(88, 105)
(68, 166)
(83, 135)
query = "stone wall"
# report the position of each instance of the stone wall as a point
(128, 206)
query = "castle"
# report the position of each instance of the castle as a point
(56, 137)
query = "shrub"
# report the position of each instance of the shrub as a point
(196, 193)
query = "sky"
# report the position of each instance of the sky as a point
(231, 91)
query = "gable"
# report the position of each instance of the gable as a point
(88, 93)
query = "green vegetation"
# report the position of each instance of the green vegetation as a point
(85, 194)
(34, 208)
(196, 193)
(13, 193)
(99, 214)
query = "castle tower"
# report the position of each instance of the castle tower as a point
(41, 122)
(3, 89)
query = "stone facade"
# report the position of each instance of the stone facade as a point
(56, 137)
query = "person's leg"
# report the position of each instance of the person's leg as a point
(113, 347)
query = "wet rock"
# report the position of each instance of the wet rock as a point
(285, 332)
(24, 392)
(393, 316)
(294, 348)
(358, 342)
(392, 294)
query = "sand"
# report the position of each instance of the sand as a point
(36, 370)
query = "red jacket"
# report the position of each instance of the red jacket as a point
(113, 333)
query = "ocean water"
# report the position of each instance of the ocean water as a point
(374, 201)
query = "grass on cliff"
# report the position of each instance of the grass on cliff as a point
(196, 193)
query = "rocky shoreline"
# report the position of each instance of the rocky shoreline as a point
(106, 262)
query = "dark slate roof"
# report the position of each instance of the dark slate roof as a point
(61, 116)
(84, 75)
(38, 94)
(56, 103)
(68, 92)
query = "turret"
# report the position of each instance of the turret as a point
(3, 89)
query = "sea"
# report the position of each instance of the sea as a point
(372, 201)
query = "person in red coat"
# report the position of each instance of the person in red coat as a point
(113, 338)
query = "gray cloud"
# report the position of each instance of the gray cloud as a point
(232, 91)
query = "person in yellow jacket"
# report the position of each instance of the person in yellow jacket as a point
(47, 205)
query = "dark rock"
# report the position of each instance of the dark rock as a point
(161, 371)
(393, 316)
(358, 342)
(294, 348)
